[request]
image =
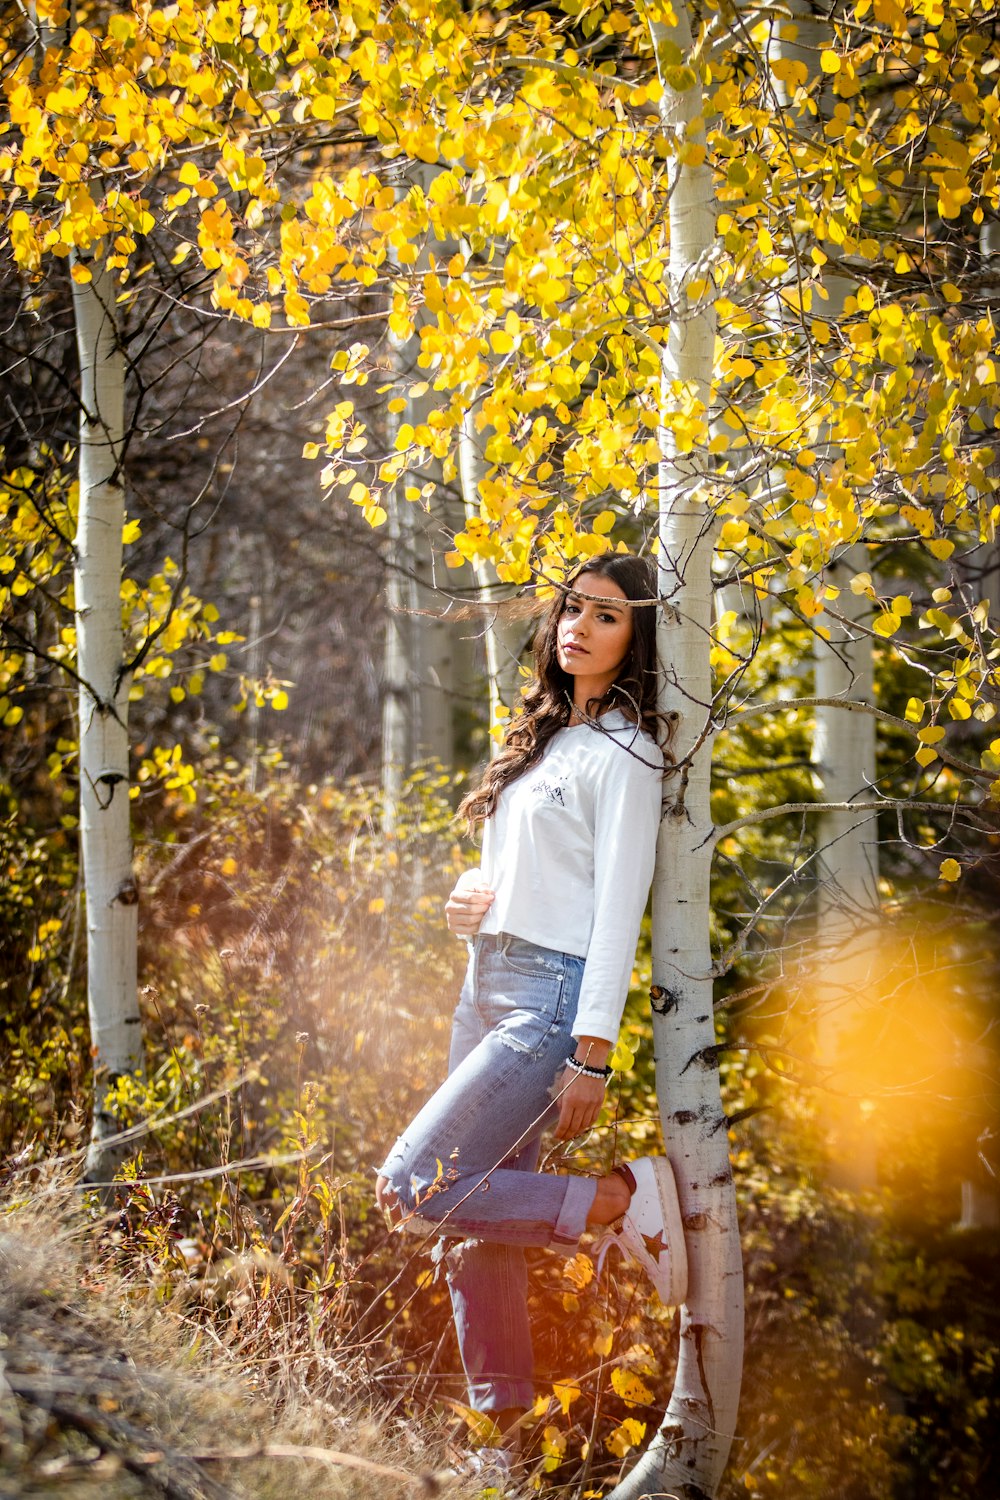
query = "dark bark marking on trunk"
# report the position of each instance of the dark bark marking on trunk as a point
(663, 1000)
(699, 1337)
(108, 781)
(697, 1059)
(127, 893)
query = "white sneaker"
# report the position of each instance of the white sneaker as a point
(494, 1469)
(651, 1230)
(483, 1461)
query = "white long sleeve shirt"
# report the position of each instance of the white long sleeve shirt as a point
(569, 852)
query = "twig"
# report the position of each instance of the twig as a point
(884, 804)
(248, 1164)
(430, 1483)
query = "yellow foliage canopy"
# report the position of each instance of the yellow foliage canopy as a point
(506, 205)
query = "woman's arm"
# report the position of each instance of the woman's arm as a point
(468, 904)
(626, 821)
(581, 1098)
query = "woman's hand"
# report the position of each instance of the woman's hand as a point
(468, 904)
(386, 1199)
(581, 1100)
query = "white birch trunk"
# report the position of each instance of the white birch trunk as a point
(688, 1455)
(420, 651)
(400, 668)
(980, 1200)
(503, 640)
(105, 838)
(980, 1206)
(847, 904)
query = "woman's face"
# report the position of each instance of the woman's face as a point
(593, 635)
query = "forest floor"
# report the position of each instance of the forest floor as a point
(117, 1387)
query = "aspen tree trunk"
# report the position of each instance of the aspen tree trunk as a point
(980, 1198)
(847, 903)
(105, 838)
(980, 1206)
(689, 1453)
(503, 641)
(421, 652)
(989, 250)
(400, 664)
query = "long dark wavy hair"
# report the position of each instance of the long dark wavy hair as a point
(547, 703)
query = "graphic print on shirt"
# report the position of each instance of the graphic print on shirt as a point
(553, 790)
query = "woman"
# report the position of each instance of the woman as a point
(570, 809)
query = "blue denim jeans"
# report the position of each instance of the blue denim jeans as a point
(468, 1160)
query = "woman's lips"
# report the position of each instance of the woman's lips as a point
(571, 649)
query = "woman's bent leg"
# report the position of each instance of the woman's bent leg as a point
(468, 1160)
(489, 1300)
(451, 1165)
(488, 1283)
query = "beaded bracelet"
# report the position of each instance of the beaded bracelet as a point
(578, 1067)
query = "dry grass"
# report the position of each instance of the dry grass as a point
(121, 1387)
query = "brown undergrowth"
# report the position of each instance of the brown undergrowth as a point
(115, 1387)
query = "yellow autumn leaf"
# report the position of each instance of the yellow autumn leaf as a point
(565, 1394)
(950, 870)
(604, 1337)
(579, 1270)
(954, 192)
(632, 1390)
(622, 1058)
(627, 1435)
(885, 624)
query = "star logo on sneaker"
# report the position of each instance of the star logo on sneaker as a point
(655, 1244)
